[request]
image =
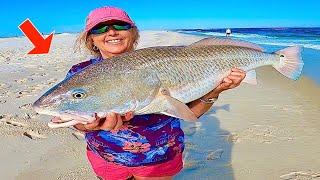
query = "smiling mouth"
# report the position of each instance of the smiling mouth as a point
(114, 41)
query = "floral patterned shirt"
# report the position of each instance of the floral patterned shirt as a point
(144, 140)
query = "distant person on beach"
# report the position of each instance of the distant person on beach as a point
(117, 146)
(228, 32)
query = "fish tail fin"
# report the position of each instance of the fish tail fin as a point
(290, 64)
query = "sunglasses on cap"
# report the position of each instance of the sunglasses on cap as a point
(106, 27)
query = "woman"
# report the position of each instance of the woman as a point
(118, 146)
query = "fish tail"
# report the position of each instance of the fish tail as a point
(290, 64)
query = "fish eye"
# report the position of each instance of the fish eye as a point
(79, 95)
(281, 55)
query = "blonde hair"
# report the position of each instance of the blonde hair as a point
(85, 41)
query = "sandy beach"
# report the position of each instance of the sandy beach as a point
(267, 131)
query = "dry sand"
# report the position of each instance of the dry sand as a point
(274, 127)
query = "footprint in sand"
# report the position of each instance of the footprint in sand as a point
(73, 173)
(4, 93)
(191, 164)
(10, 120)
(34, 134)
(27, 106)
(31, 113)
(289, 108)
(23, 93)
(39, 74)
(261, 134)
(212, 155)
(233, 138)
(1, 55)
(4, 58)
(23, 80)
(39, 87)
(4, 89)
(31, 90)
(189, 131)
(15, 123)
(300, 175)
(190, 146)
(51, 82)
(2, 118)
(193, 128)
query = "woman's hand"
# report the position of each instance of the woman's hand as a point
(113, 121)
(231, 81)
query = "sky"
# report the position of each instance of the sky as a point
(69, 15)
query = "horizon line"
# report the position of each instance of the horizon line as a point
(177, 29)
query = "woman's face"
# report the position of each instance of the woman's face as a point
(113, 42)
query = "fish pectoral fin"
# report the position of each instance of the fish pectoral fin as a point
(251, 77)
(178, 109)
(226, 42)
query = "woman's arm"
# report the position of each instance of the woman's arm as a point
(202, 105)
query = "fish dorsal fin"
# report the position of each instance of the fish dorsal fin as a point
(227, 42)
(251, 77)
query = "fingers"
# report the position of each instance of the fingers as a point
(113, 121)
(236, 75)
(119, 122)
(128, 116)
(237, 70)
(234, 78)
(227, 80)
(241, 74)
(110, 122)
(93, 125)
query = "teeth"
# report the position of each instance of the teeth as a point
(114, 41)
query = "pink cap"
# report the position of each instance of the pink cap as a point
(104, 14)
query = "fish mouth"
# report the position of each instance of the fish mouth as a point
(70, 115)
(66, 116)
(67, 119)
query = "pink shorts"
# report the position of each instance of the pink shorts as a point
(108, 170)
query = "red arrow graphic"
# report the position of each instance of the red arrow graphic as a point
(42, 45)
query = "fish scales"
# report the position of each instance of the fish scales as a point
(180, 66)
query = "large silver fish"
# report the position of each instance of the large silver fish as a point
(158, 80)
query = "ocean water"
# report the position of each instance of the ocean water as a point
(273, 39)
